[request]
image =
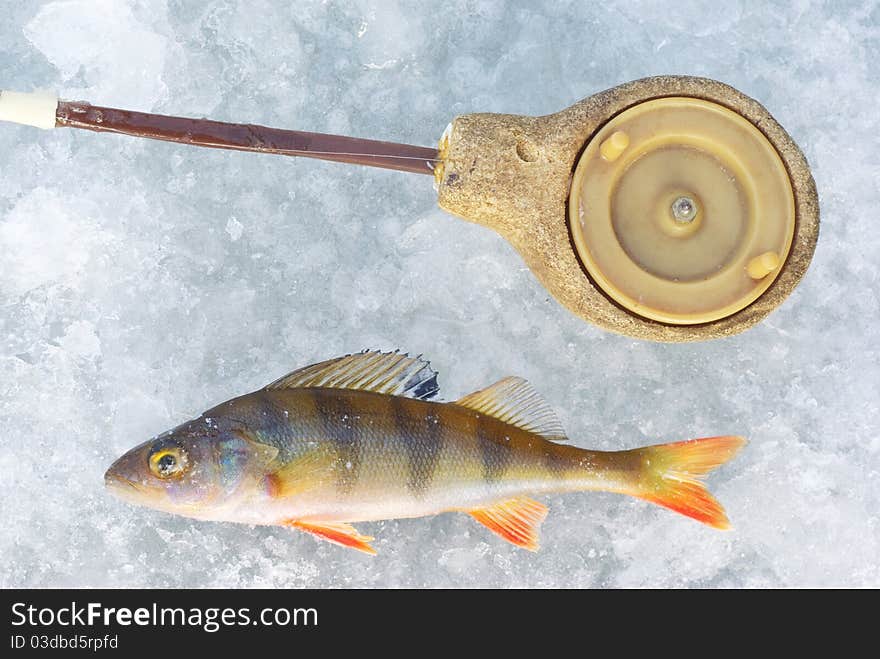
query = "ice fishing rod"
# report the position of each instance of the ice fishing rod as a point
(47, 111)
(671, 208)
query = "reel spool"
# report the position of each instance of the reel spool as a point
(669, 209)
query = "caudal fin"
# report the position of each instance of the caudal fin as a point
(673, 476)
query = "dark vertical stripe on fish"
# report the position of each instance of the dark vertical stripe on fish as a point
(496, 456)
(423, 439)
(274, 424)
(339, 424)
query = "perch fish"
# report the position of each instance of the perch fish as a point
(356, 439)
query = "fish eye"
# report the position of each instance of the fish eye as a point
(168, 462)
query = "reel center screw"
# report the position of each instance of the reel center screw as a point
(684, 209)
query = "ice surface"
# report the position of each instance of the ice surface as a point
(142, 282)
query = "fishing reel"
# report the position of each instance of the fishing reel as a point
(669, 209)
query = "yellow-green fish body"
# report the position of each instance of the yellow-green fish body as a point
(355, 439)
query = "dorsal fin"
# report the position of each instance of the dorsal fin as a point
(514, 401)
(390, 373)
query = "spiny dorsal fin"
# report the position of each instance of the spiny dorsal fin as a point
(390, 373)
(517, 520)
(514, 401)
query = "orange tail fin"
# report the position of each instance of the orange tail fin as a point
(673, 476)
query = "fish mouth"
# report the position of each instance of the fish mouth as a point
(120, 483)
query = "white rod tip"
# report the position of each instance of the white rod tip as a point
(31, 109)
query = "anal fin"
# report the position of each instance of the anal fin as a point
(516, 520)
(339, 533)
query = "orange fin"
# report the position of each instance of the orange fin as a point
(674, 473)
(516, 520)
(338, 533)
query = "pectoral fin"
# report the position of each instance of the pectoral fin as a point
(338, 533)
(300, 474)
(516, 520)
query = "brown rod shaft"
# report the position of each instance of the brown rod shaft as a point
(247, 137)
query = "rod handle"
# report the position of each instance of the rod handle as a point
(29, 108)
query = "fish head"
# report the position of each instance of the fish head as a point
(195, 469)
